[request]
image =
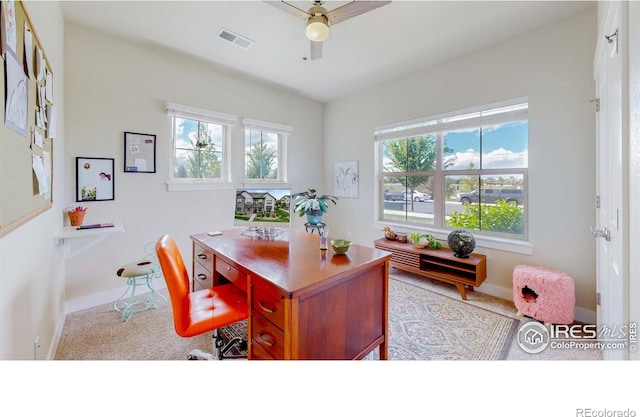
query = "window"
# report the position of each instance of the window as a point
(265, 150)
(199, 143)
(464, 170)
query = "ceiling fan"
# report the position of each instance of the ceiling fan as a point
(319, 19)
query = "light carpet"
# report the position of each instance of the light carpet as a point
(423, 325)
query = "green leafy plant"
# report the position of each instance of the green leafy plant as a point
(427, 241)
(500, 217)
(309, 201)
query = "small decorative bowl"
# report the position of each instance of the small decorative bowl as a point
(340, 246)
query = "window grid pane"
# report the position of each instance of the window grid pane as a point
(198, 149)
(261, 155)
(479, 183)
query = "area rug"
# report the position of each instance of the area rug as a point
(423, 325)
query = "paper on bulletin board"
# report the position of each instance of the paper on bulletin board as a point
(52, 115)
(41, 176)
(17, 97)
(28, 50)
(46, 162)
(49, 86)
(40, 64)
(38, 139)
(9, 35)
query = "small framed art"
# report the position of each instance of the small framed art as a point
(139, 152)
(94, 179)
(346, 179)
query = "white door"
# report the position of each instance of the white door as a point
(609, 231)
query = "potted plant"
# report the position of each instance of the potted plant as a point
(309, 203)
(424, 241)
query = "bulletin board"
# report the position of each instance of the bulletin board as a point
(28, 120)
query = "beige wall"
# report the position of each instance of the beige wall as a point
(553, 67)
(115, 86)
(31, 273)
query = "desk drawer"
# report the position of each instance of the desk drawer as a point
(231, 273)
(202, 277)
(203, 256)
(257, 352)
(269, 304)
(268, 336)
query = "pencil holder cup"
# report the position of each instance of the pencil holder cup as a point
(76, 217)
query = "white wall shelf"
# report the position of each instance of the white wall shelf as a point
(66, 234)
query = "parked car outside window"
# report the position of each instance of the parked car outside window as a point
(416, 196)
(393, 196)
(491, 195)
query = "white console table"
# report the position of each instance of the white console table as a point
(66, 234)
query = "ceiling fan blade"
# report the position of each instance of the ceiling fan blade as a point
(316, 50)
(289, 8)
(353, 9)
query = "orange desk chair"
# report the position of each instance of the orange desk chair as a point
(200, 311)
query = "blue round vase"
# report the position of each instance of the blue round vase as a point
(314, 216)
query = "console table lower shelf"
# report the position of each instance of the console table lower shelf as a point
(438, 264)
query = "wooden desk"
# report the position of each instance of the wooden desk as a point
(305, 303)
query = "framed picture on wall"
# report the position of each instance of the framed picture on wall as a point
(139, 152)
(94, 179)
(346, 179)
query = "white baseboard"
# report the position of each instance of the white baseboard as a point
(110, 296)
(580, 314)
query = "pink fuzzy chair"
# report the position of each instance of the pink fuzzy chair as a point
(543, 294)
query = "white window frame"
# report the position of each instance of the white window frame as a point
(435, 125)
(204, 115)
(283, 132)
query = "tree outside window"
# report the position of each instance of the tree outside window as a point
(198, 149)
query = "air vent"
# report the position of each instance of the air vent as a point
(234, 38)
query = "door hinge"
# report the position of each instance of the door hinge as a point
(597, 298)
(597, 201)
(597, 101)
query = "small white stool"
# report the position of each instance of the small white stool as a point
(139, 273)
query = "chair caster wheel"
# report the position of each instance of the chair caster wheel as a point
(192, 358)
(242, 345)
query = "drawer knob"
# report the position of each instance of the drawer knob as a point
(202, 276)
(266, 338)
(266, 308)
(228, 269)
(202, 255)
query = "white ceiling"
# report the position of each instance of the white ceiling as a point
(389, 42)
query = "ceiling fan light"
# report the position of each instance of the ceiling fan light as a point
(317, 28)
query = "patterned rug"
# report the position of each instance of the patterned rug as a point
(424, 325)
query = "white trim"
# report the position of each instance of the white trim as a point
(463, 119)
(267, 126)
(204, 115)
